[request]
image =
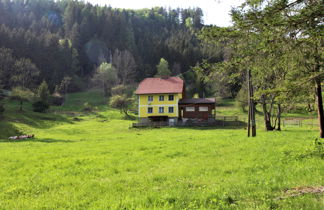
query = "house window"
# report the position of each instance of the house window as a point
(150, 110)
(161, 109)
(150, 98)
(171, 97)
(203, 109)
(190, 109)
(161, 98)
(171, 109)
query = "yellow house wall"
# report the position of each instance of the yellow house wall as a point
(155, 104)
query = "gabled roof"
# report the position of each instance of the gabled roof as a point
(197, 101)
(159, 85)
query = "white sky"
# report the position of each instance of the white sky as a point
(215, 11)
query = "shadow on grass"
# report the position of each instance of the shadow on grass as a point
(48, 140)
(33, 119)
(212, 127)
(8, 129)
(129, 117)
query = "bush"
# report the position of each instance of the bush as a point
(56, 100)
(2, 96)
(2, 109)
(87, 107)
(121, 102)
(76, 84)
(219, 101)
(40, 106)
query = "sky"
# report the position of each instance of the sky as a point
(215, 11)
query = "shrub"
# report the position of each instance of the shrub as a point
(121, 102)
(2, 109)
(56, 100)
(40, 106)
(2, 96)
(87, 107)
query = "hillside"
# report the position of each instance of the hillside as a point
(93, 160)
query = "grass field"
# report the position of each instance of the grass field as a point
(94, 161)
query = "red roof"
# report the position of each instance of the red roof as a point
(159, 85)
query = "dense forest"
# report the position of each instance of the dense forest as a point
(58, 39)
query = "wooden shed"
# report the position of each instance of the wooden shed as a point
(197, 108)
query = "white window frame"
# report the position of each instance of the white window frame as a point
(150, 98)
(172, 97)
(148, 108)
(172, 109)
(161, 98)
(161, 108)
(203, 108)
(190, 109)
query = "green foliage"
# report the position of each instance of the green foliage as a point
(65, 40)
(106, 77)
(124, 62)
(7, 62)
(64, 85)
(118, 90)
(88, 107)
(2, 108)
(21, 94)
(242, 99)
(43, 93)
(163, 69)
(56, 99)
(121, 102)
(40, 106)
(25, 73)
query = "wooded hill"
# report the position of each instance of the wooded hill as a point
(55, 39)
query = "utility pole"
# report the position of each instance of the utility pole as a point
(251, 119)
(249, 103)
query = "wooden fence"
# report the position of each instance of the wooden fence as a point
(219, 121)
(289, 121)
(234, 121)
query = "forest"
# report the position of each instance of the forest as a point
(57, 39)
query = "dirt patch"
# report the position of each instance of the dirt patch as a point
(299, 191)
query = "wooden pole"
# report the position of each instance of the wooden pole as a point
(252, 109)
(249, 103)
(320, 107)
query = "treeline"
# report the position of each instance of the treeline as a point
(72, 38)
(276, 47)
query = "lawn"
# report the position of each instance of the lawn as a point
(84, 160)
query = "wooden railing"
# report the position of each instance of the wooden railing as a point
(220, 121)
(150, 124)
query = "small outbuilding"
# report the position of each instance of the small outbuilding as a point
(197, 108)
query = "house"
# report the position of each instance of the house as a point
(158, 99)
(163, 100)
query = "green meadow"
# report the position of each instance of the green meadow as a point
(93, 160)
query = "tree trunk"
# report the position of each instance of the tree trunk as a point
(126, 112)
(279, 118)
(267, 118)
(20, 107)
(320, 107)
(253, 114)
